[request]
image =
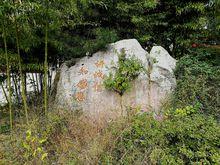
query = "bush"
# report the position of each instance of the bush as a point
(128, 70)
(198, 80)
(192, 139)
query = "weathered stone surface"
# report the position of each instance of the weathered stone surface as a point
(81, 86)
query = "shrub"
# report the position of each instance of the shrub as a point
(182, 112)
(198, 80)
(193, 139)
(128, 69)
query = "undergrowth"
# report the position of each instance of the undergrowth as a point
(183, 136)
(187, 133)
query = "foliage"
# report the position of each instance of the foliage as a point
(128, 69)
(33, 148)
(28, 144)
(102, 37)
(182, 112)
(198, 80)
(162, 22)
(213, 16)
(91, 25)
(191, 139)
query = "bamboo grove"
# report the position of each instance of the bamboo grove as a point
(21, 20)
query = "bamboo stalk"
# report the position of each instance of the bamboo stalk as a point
(50, 74)
(37, 82)
(25, 82)
(34, 84)
(46, 70)
(35, 90)
(41, 82)
(8, 76)
(24, 98)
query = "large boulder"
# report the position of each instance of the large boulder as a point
(81, 86)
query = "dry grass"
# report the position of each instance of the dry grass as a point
(89, 138)
(72, 138)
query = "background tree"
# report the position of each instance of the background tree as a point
(213, 16)
(162, 22)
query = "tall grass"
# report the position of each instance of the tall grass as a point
(71, 137)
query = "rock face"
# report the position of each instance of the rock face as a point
(81, 86)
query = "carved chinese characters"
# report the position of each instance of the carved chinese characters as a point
(83, 84)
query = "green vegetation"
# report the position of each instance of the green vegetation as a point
(198, 81)
(38, 36)
(184, 136)
(182, 139)
(128, 69)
